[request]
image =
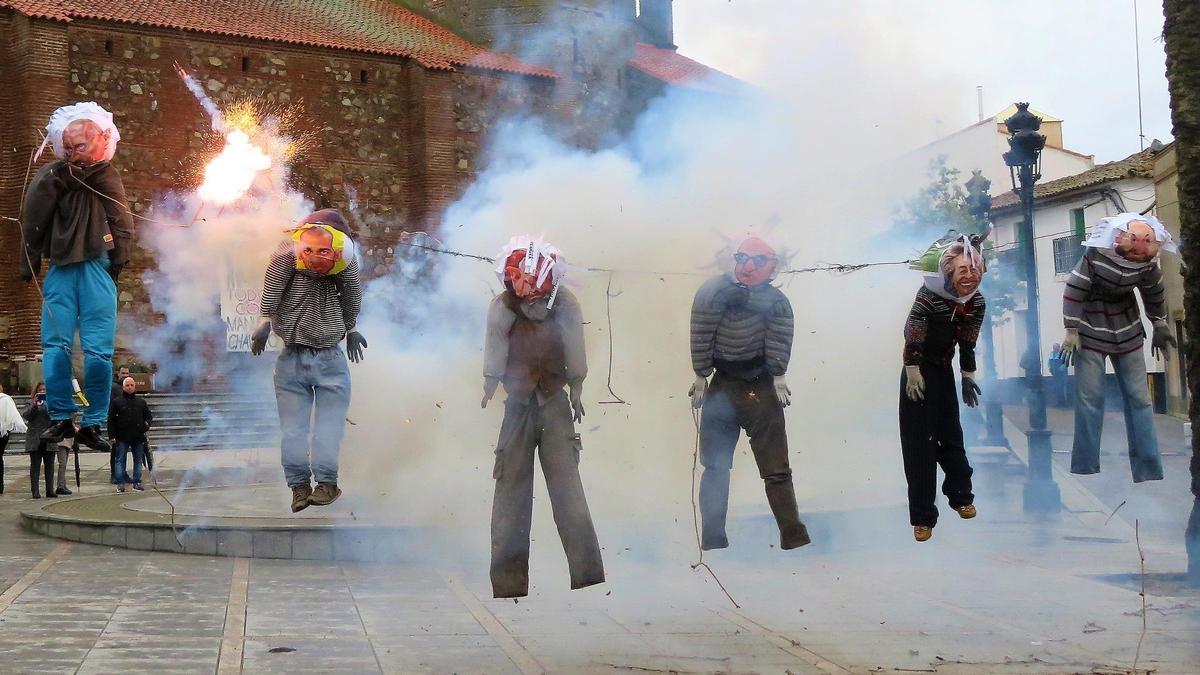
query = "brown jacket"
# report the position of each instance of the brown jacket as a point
(530, 349)
(66, 221)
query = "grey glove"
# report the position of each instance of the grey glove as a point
(970, 390)
(697, 391)
(489, 389)
(782, 392)
(355, 344)
(577, 400)
(1070, 345)
(915, 389)
(258, 339)
(1161, 340)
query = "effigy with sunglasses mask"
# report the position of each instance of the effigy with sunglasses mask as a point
(741, 341)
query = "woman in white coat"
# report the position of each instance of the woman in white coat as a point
(10, 421)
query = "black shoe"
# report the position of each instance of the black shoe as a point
(58, 431)
(120, 487)
(51, 495)
(138, 487)
(90, 436)
(62, 491)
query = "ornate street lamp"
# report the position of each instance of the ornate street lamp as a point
(979, 205)
(1024, 160)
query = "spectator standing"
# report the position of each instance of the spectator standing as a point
(37, 419)
(129, 418)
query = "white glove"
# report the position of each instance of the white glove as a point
(915, 389)
(1070, 345)
(699, 387)
(782, 392)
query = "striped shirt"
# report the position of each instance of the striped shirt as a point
(1099, 302)
(309, 309)
(935, 325)
(735, 324)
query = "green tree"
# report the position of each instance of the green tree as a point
(939, 206)
(947, 204)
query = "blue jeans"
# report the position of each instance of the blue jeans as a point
(79, 297)
(1144, 460)
(139, 460)
(311, 385)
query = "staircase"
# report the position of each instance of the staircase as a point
(201, 421)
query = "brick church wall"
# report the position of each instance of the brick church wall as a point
(405, 139)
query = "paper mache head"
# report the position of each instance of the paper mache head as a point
(1132, 237)
(954, 265)
(530, 268)
(96, 143)
(322, 243)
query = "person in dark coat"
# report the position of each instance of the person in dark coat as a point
(37, 419)
(947, 313)
(129, 419)
(114, 394)
(76, 217)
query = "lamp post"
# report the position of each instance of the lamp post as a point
(1024, 159)
(979, 205)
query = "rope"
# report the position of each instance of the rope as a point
(608, 296)
(696, 416)
(842, 268)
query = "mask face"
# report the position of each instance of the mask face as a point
(315, 250)
(524, 285)
(755, 262)
(965, 276)
(1138, 244)
(84, 143)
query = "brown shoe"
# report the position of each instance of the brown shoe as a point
(325, 494)
(300, 495)
(922, 532)
(966, 512)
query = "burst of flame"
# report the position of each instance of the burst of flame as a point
(230, 174)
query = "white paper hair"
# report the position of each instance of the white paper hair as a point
(89, 111)
(540, 257)
(1104, 233)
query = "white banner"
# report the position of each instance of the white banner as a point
(240, 309)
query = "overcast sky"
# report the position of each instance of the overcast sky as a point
(1074, 59)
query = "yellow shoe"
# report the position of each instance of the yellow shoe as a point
(922, 532)
(966, 512)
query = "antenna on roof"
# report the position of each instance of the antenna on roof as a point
(1137, 54)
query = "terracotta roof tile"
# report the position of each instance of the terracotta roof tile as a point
(672, 67)
(370, 26)
(1137, 165)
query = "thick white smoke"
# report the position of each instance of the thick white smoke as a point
(662, 209)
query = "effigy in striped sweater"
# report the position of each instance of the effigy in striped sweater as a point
(1103, 321)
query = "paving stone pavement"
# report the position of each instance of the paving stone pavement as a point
(1000, 594)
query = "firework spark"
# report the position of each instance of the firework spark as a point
(256, 141)
(230, 174)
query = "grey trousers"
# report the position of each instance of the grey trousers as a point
(550, 430)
